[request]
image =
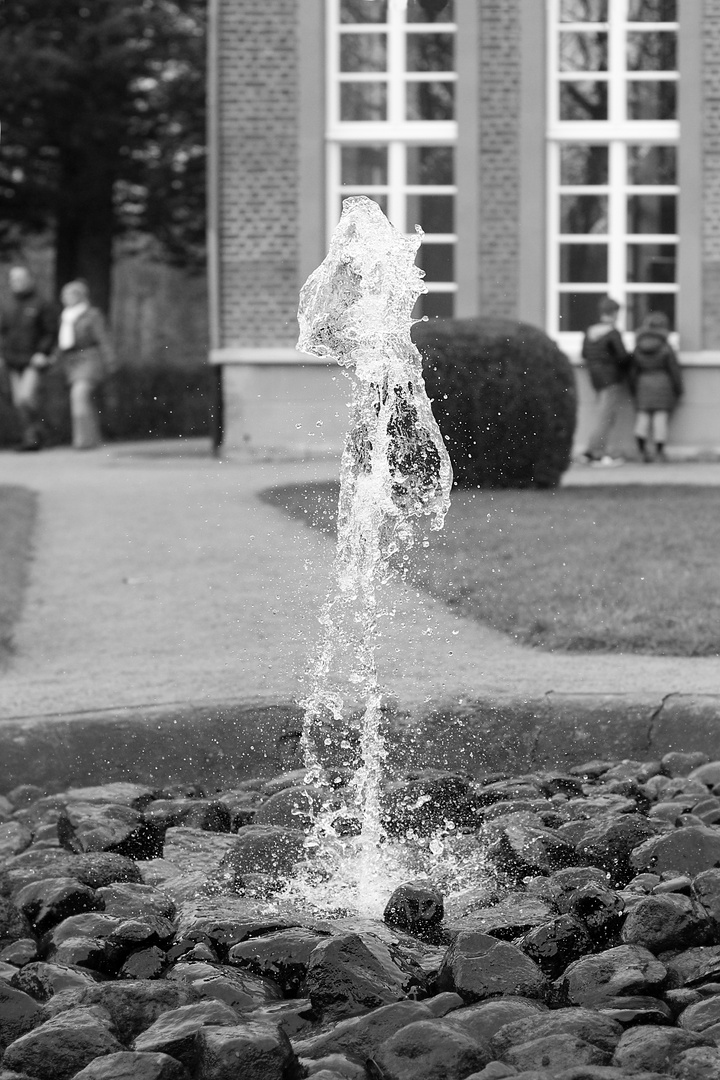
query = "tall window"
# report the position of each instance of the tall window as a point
(613, 136)
(391, 128)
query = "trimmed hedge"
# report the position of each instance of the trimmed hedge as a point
(157, 401)
(504, 397)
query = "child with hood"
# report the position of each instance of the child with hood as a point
(656, 383)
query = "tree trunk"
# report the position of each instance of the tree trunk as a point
(85, 226)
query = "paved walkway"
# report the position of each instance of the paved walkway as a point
(160, 578)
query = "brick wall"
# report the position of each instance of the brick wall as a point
(711, 175)
(499, 156)
(258, 200)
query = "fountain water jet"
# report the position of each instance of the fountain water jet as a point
(357, 308)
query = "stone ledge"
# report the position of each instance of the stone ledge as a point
(232, 741)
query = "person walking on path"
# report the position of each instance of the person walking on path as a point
(656, 382)
(607, 361)
(28, 327)
(86, 356)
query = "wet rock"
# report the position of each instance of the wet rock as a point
(178, 1032)
(693, 967)
(681, 884)
(295, 1017)
(14, 838)
(130, 1065)
(555, 1052)
(42, 981)
(428, 1050)
(87, 941)
(334, 1067)
(708, 773)
(682, 763)
(240, 990)
(654, 1048)
(478, 966)
(426, 802)
(47, 902)
(23, 951)
(585, 1025)
(416, 907)
(556, 944)
(599, 909)
(348, 975)
(13, 924)
(669, 921)
(684, 851)
(59, 1048)
(681, 999)
(559, 887)
(19, 1013)
(483, 1020)
(209, 815)
(359, 1036)
(122, 792)
(706, 890)
(144, 964)
(252, 1051)
(282, 957)
(518, 849)
(94, 869)
(636, 1010)
(514, 915)
(611, 845)
(626, 969)
(84, 827)
(132, 901)
(697, 1063)
(293, 807)
(702, 1016)
(132, 1008)
(442, 1004)
(263, 849)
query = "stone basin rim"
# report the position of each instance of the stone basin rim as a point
(221, 741)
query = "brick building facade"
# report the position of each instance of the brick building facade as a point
(524, 95)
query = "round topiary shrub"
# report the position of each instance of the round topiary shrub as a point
(504, 397)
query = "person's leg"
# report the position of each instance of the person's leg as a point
(25, 390)
(642, 430)
(608, 407)
(660, 430)
(85, 423)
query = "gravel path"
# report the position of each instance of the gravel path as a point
(159, 577)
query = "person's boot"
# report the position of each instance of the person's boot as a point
(642, 447)
(31, 439)
(660, 452)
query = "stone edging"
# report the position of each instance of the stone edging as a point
(226, 741)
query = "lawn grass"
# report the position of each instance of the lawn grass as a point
(617, 569)
(17, 518)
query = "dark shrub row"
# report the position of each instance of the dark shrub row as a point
(504, 397)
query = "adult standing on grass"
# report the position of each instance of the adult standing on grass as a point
(656, 382)
(86, 356)
(28, 327)
(607, 361)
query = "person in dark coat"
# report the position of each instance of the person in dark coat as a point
(28, 326)
(607, 363)
(656, 382)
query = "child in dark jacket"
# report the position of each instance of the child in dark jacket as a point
(607, 361)
(656, 383)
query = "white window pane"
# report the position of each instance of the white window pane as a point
(639, 306)
(652, 10)
(363, 11)
(439, 305)
(430, 52)
(583, 51)
(434, 213)
(578, 310)
(364, 165)
(652, 100)
(583, 10)
(363, 101)
(363, 52)
(652, 50)
(430, 101)
(654, 263)
(438, 261)
(581, 164)
(430, 165)
(583, 214)
(652, 214)
(652, 164)
(583, 262)
(425, 11)
(584, 100)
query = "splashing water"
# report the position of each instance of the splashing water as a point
(395, 473)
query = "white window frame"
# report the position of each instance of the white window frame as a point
(617, 133)
(395, 132)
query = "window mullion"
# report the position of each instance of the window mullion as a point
(617, 220)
